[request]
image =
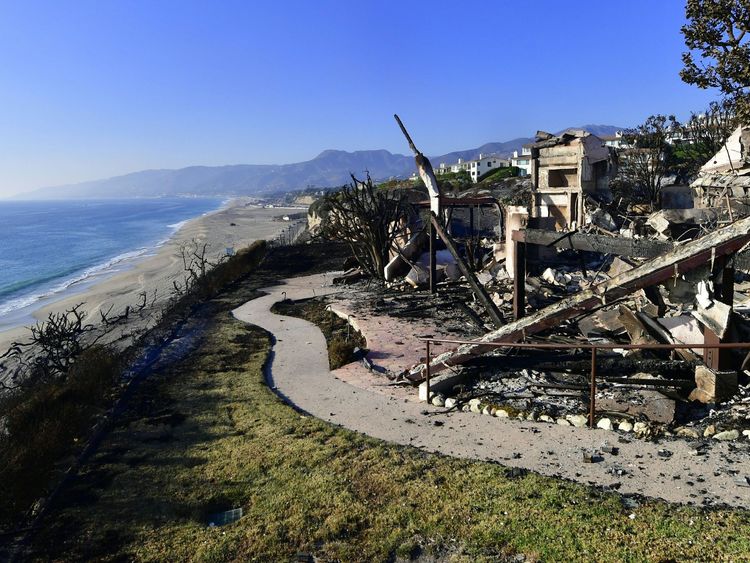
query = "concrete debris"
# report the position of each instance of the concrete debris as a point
(713, 386)
(604, 424)
(625, 426)
(726, 435)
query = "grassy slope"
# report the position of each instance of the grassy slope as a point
(208, 435)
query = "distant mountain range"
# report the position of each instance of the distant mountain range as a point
(330, 168)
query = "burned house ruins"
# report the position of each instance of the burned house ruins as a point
(579, 310)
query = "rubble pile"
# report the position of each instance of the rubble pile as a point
(574, 270)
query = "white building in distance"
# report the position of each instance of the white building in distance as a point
(522, 161)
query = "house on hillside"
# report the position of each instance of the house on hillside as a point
(565, 170)
(522, 161)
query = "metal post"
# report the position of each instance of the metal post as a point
(433, 250)
(519, 280)
(427, 378)
(592, 389)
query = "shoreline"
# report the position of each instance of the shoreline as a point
(236, 224)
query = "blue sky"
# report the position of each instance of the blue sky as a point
(101, 88)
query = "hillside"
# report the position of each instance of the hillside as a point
(330, 168)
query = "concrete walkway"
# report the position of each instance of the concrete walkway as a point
(299, 373)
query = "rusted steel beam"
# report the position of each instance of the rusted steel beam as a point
(682, 259)
(618, 246)
(484, 299)
(433, 254)
(519, 280)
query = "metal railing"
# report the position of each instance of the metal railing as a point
(572, 346)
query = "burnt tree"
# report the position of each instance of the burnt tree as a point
(368, 219)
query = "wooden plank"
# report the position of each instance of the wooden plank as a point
(484, 299)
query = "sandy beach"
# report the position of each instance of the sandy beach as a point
(236, 225)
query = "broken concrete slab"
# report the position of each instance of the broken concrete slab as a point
(685, 329)
(716, 317)
(640, 402)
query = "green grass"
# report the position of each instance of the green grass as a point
(208, 435)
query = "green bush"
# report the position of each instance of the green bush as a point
(340, 351)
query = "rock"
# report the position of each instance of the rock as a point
(546, 418)
(466, 408)
(746, 433)
(625, 426)
(709, 431)
(438, 400)
(530, 417)
(727, 435)
(487, 410)
(549, 275)
(450, 402)
(604, 424)
(474, 405)
(502, 413)
(640, 428)
(577, 420)
(713, 386)
(474, 402)
(687, 432)
(563, 422)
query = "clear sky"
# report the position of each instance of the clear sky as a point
(96, 89)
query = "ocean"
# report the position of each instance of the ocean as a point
(51, 247)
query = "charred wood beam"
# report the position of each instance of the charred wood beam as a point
(484, 299)
(683, 258)
(618, 246)
(581, 363)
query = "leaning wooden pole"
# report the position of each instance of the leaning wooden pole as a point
(425, 170)
(484, 299)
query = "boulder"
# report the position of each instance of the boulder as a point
(625, 426)
(713, 386)
(727, 435)
(604, 424)
(577, 420)
(687, 432)
(501, 413)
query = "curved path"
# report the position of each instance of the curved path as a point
(299, 372)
